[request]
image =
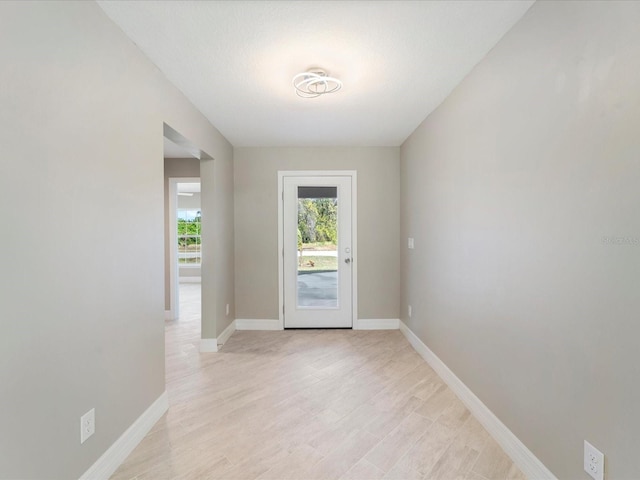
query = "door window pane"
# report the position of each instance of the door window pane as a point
(317, 247)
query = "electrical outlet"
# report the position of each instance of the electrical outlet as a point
(410, 243)
(409, 311)
(87, 425)
(593, 461)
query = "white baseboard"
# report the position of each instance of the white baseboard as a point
(168, 315)
(361, 324)
(208, 345)
(376, 324)
(256, 324)
(519, 453)
(226, 333)
(109, 462)
(190, 280)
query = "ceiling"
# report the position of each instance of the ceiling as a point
(235, 61)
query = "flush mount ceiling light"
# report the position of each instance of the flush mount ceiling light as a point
(314, 83)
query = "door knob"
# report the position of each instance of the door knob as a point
(347, 260)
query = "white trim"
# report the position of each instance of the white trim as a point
(226, 333)
(208, 345)
(354, 246)
(174, 294)
(354, 234)
(377, 324)
(168, 315)
(257, 324)
(110, 460)
(280, 253)
(530, 465)
(190, 280)
(174, 268)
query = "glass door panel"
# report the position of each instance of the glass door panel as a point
(317, 284)
(317, 260)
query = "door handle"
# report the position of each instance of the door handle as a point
(347, 260)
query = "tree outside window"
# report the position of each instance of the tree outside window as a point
(189, 237)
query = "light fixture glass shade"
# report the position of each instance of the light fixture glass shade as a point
(315, 83)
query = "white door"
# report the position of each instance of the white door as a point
(318, 261)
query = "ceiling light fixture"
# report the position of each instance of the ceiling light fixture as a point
(314, 83)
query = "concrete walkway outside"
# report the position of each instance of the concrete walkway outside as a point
(318, 289)
(318, 253)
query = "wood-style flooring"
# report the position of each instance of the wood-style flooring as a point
(318, 404)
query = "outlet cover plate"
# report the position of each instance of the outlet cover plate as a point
(593, 461)
(87, 425)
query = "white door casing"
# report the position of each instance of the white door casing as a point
(174, 267)
(311, 299)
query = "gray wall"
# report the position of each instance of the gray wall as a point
(189, 202)
(509, 189)
(218, 272)
(81, 129)
(256, 222)
(175, 168)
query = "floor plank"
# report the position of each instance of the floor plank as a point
(308, 404)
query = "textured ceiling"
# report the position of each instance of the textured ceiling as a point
(235, 60)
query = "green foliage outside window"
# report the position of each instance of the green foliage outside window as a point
(189, 227)
(318, 220)
(189, 240)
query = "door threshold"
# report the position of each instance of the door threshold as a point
(318, 328)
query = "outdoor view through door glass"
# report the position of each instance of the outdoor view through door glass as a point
(317, 247)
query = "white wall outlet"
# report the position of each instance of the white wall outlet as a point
(409, 311)
(593, 461)
(227, 309)
(410, 243)
(87, 425)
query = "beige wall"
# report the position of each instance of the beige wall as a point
(189, 202)
(175, 168)
(256, 222)
(509, 189)
(218, 271)
(81, 129)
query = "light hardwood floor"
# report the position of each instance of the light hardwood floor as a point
(319, 404)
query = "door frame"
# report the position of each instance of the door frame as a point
(354, 234)
(174, 303)
(174, 267)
